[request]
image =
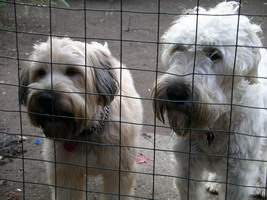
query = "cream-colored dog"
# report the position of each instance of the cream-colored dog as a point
(89, 110)
(215, 102)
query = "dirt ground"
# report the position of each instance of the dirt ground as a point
(138, 50)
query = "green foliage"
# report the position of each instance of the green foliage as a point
(34, 2)
(48, 2)
(26, 6)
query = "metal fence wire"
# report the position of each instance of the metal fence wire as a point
(132, 31)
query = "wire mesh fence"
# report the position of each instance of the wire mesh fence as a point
(133, 31)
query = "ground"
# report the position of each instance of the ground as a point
(139, 30)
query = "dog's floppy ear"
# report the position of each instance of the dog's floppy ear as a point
(105, 79)
(253, 41)
(253, 72)
(23, 87)
(106, 84)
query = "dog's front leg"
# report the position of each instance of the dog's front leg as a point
(189, 190)
(240, 175)
(112, 185)
(188, 180)
(69, 184)
(66, 177)
(260, 181)
(182, 175)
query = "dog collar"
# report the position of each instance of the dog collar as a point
(71, 145)
(97, 128)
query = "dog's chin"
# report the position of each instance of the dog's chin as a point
(59, 130)
(178, 122)
(56, 127)
(183, 121)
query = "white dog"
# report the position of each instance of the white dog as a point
(76, 101)
(214, 101)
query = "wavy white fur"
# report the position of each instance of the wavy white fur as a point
(66, 98)
(217, 117)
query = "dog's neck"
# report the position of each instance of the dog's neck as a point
(87, 133)
(98, 127)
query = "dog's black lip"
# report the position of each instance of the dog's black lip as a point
(57, 117)
(183, 108)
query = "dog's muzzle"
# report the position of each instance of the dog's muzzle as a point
(50, 104)
(53, 113)
(178, 94)
(46, 100)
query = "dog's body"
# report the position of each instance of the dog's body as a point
(218, 118)
(73, 93)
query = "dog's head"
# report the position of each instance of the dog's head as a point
(65, 84)
(220, 37)
(202, 51)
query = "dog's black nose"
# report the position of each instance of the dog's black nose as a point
(179, 94)
(46, 100)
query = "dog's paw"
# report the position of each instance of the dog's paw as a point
(212, 188)
(258, 193)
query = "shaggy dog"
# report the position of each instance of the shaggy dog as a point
(214, 101)
(87, 106)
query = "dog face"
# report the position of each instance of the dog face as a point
(65, 83)
(201, 55)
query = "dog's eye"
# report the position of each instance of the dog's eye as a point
(179, 48)
(214, 54)
(40, 73)
(71, 71)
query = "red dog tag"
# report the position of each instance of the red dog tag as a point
(70, 145)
